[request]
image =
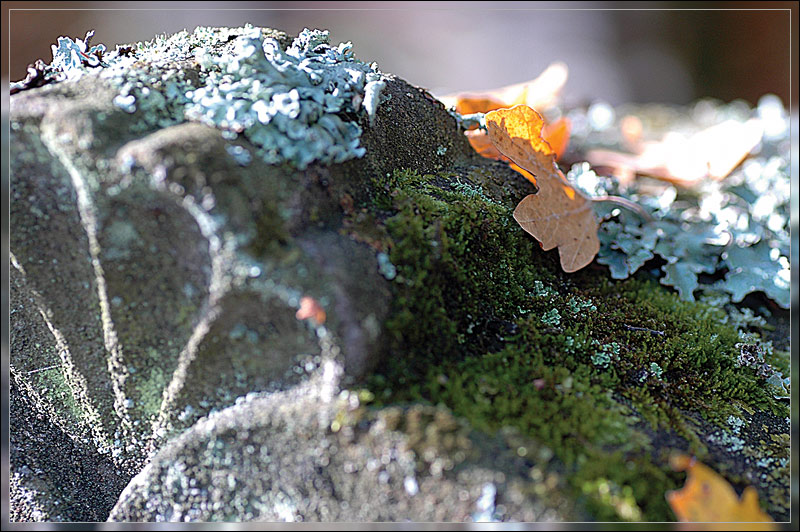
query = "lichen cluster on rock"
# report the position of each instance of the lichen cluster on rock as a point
(168, 218)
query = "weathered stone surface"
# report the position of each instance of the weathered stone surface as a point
(156, 279)
(294, 457)
(176, 250)
(55, 478)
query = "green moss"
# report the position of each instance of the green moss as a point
(449, 242)
(474, 328)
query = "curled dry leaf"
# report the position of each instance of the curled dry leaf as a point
(711, 153)
(539, 93)
(707, 497)
(558, 215)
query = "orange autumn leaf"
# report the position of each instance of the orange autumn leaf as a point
(539, 93)
(711, 153)
(555, 134)
(708, 497)
(309, 308)
(479, 140)
(467, 105)
(558, 215)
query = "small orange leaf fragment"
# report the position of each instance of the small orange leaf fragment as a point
(309, 308)
(466, 105)
(527, 175)
(558, 215)
(708, 497)
(557, 135)
(480, 142)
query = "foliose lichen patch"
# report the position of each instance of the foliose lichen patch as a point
(288, 103)
(296, 104)
(69, 61)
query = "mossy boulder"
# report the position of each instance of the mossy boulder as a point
(312, 460)
(158, 283)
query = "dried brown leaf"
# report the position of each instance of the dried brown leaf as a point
(539, 93)
(558, 215)
(712, 153)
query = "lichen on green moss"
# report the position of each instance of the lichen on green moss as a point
(468, 332)
(607, 353)
(551, 317)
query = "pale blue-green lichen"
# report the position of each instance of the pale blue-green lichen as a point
(239, 154)
(656, 370)
(737, 227)
(736, 423)
(470, 191)
(540, 290)
(601, 359)
(752, 353)
(608, 353)
(552, 318)
(70, 56)
(731, 441)
(288, 103)
(578, 304)
(70, 61)
(298, 106)
(385, 267)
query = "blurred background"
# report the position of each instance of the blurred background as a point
(615, 52)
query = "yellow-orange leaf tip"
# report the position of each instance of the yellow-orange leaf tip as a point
(708, 497)
(558, 215)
